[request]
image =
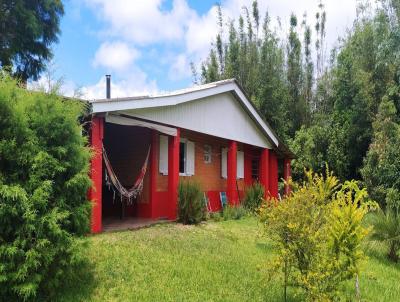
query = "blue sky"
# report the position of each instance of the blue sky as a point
(147, 46)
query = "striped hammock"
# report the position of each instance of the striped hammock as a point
(112, 180)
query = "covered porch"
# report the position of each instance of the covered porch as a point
(127, 141)
(126, 144)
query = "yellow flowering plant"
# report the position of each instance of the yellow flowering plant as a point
(317, 232)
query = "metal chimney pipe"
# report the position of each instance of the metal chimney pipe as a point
(108, 86)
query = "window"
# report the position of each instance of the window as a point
(239, 163)
(207, 154)
(163, 159)
(224, 161)
(182, 157)
(255, 166)
(186, 157)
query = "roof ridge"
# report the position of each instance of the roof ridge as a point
(169, 93)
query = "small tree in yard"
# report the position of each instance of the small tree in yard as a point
(43, 185)
(317, 231)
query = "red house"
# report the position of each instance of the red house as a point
(210, 133)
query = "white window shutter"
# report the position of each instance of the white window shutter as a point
(190, 158)
(163, 162)
(240, 164)
(224, 161)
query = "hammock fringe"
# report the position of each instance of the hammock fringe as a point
(113, 182)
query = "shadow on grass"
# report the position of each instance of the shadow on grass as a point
(267, 246)
(78, 285)
(275, 294)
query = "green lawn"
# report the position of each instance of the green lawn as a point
(216, 261)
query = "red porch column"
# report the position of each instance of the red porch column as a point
(231, 173)
(173, 174)
(153, 173)
(287, 173)
(264, 171)
(273, 174)
(96, 173)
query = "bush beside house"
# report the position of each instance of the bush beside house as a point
(43, 185)
(191, 203)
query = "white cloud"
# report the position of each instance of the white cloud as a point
(136, 83)
(180, 68)
(181, 35)
(143, 22)
(201, 31)
(115, 56)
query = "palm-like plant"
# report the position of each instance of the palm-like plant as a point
(386, 229)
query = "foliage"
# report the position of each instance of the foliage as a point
(216, 216)
(234, 212)
(311, 144)
(386, 229)
(348, 94)
(253, 196)
(27, 30)
(191, 204)
(296, 106)
(317, 231)
(382, 163)
(43, 185)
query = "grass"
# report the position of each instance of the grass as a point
(216, 261)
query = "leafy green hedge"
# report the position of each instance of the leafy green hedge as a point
(43, 184)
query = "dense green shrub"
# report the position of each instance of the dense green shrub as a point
(191, 204)
(317, 232)
(234, 212)
(43, 185)
(382, 162)
(253, 196)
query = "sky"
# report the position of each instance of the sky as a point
(147, 45)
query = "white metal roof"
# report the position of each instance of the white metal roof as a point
(183, 96)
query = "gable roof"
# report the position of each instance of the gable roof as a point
(191, 94)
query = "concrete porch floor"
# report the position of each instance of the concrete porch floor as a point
(129, 223)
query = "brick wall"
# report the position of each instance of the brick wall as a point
(209, 174)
